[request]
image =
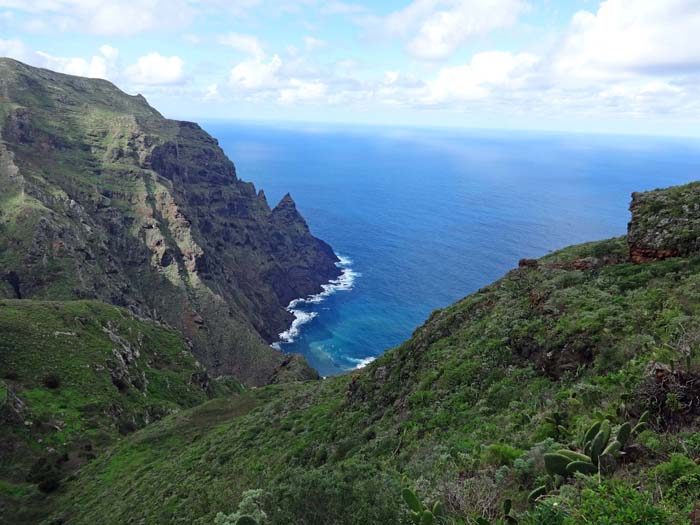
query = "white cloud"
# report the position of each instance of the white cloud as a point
(312, 43)
(109, 52)
(341, 8)
(212, 92)
(256, 74)
(15, 49)
(105, 17)
(434, 29)
(232, 7)
(155, 69)
(630, 37)
(102, 65)
(390, 77)
(99, 66)
(247, 44)
(302, 91)
(632, 57)
(486, 73)
(95, 68)
(627, 57)
(643, 98)
(7, 19)
(274, 80)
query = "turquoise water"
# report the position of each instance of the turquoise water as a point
(425, 217)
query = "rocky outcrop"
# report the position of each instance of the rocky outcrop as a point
(293, 368)
(108, 200)
(665, 223)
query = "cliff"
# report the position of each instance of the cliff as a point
(665, 223)
(104, 199)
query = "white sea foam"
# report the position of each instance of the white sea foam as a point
(345, 281)
(361, 363)
(300, 317)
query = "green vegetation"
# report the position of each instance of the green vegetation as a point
(249, 511)
(75, 377)
(419, 513)
(567, 392)
(597, 447)
(542, 362)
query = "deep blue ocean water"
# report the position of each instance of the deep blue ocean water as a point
(429, 216)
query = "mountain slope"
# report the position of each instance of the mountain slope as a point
(103, 198)
(74, 377)
(467, 409)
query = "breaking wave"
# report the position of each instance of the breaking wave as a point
(361, 363)
(345, 281)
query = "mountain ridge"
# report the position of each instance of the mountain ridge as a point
(125, 206)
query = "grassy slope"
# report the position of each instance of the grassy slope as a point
(58, 361)
(451, 408)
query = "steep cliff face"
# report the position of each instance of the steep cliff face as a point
(665, 223)
(103, 198)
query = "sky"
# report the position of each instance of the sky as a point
(617, 66)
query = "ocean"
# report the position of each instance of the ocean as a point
(423, 217)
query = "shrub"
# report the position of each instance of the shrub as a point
(50, 483)
(524, 471)
(479, 495)
(616, 504)
(249, 510)
(685, 491)
(500, 454)
(692, 443)
(675, 468)
(502, 473)
(373, 495)
(549, 512)
(609, 248)
(46, 472)
(650, 440)
(52, 381)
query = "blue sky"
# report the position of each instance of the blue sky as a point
(622, 66)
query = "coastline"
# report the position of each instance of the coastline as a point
(344, 282)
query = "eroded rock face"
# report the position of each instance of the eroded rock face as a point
(665, 223)
(106, 199)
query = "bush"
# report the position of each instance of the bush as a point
(675, 468)
(500, 454)
(312, 496)
(46, 472)
(479, 495)
(524, 471)
(685, 491)
(549, 512)
(616, 504)
(692, 443)
(52, 381)
(250, 506)
(650, 440)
